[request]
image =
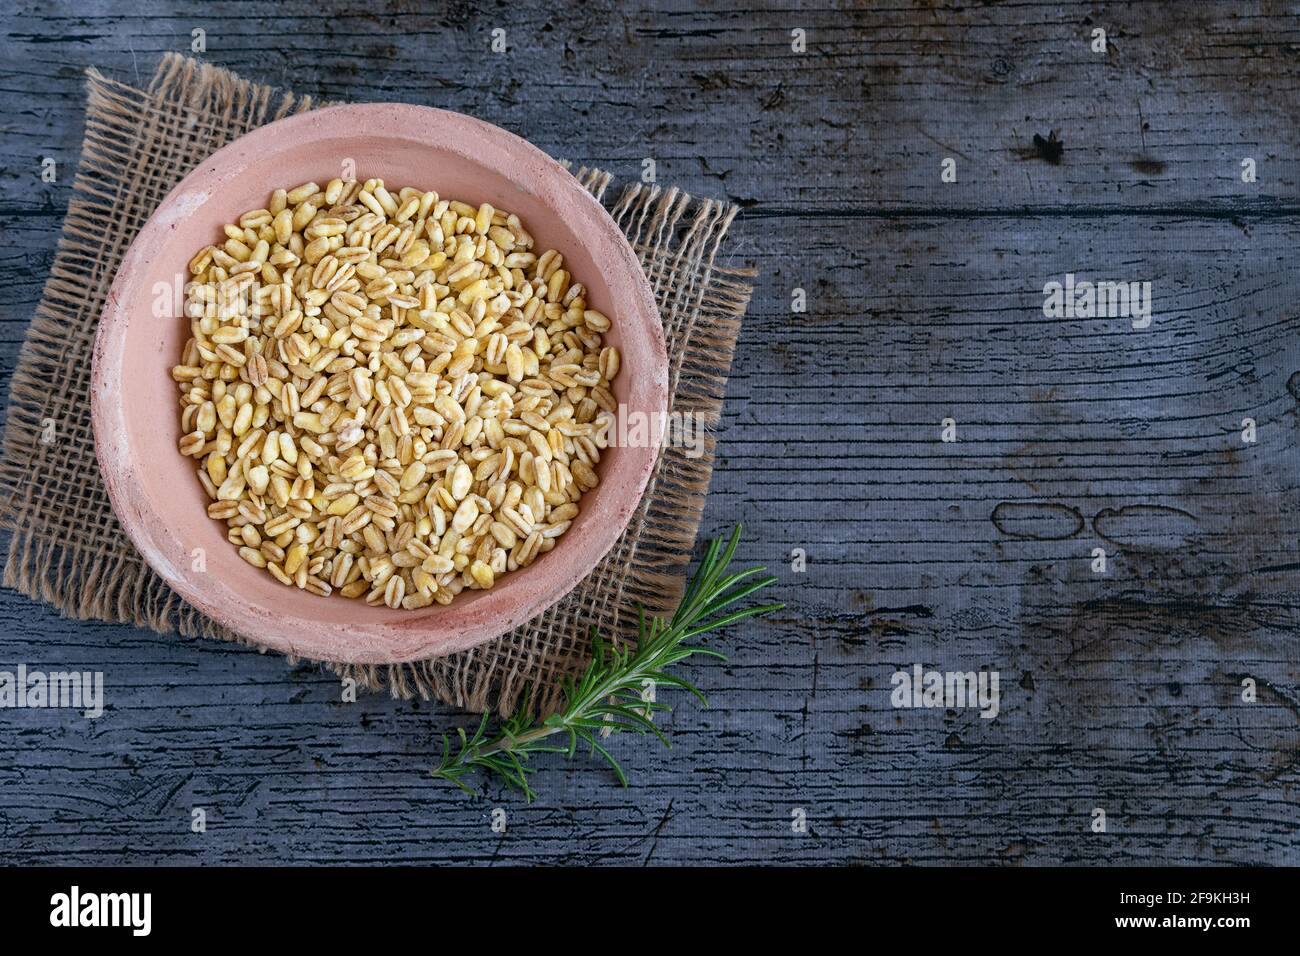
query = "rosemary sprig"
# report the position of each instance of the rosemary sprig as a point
(608, 697)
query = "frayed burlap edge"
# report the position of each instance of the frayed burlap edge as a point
(66, 547)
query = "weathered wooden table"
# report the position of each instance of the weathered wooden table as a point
(1121, 689)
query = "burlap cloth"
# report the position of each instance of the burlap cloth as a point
(66, 547)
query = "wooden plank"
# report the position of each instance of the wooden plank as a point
(861, 120)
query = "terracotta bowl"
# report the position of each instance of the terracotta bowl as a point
(155, 491)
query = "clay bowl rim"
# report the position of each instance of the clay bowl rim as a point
(398, 636)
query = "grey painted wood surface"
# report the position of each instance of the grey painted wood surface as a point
(1120, 690)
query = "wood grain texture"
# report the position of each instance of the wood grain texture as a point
(1119, 690)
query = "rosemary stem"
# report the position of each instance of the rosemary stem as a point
(608, 697)
(512, 743)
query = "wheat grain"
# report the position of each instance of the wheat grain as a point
(390, 396)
